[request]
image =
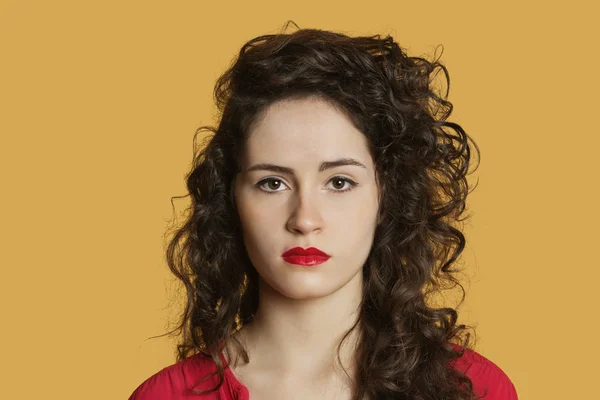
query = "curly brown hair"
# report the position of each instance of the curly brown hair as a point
(422, 161)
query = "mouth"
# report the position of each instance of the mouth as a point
(309, 257)
(306, 261)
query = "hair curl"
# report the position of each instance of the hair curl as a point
(421, 160)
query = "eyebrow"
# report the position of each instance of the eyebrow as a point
(322, 167)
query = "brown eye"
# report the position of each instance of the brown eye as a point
(273, 184)
(270, 185)
(338, 183)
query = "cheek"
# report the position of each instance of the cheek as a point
(358, 214)
(360, 229)
(258, 219)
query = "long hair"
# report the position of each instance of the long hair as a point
(406, 344)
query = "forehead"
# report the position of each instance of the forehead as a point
(301, 131)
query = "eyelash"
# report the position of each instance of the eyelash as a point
(350, 181)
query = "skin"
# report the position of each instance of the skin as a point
(304, 311)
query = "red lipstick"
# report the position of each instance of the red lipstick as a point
(309, 257)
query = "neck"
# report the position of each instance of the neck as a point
(299, 337)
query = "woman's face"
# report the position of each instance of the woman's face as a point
(333, 209)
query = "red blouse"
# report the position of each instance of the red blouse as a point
(176, 382)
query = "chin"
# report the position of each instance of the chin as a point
(304, 290)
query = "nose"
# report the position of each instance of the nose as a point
(305, 215)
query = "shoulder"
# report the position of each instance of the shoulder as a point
(179, 381)
(488, 379)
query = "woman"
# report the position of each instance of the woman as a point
(322, 223)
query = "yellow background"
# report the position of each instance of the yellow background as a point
(99, 102)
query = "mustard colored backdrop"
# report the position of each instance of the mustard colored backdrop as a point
(99, 101)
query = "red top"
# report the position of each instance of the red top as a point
(176, 381)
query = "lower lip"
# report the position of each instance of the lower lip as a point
(306, 261)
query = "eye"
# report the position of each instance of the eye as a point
(340, 179)
(338, 183)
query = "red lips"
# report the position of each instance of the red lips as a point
(299, 251)
(309, 257)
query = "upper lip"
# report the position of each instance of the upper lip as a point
(299, 251)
